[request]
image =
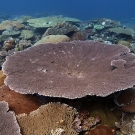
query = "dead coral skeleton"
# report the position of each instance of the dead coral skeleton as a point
(57, 131)
(127, 126)
(83, 122)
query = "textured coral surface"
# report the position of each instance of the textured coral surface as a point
(47, 119)
(71, 69)
(8, 122)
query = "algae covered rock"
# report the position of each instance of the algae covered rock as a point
(98, 108)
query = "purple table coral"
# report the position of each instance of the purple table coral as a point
(71, 70)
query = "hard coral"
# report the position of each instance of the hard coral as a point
(83, 123)
(12, 24)
(78, 36)
(127, 124)
(126, 100)
(19, 103)
(119, 30)
(53, 39)
(48, 119)
(2, 77)
(9, 44)
(50, 21)
(61, 29)
(71, 69)
(8, 122)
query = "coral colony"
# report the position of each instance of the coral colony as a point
(64, 76)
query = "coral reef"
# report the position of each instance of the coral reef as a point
(8, 122)
(99, 109)
(125, 43)
(126, 100)
(48, 119)
(119, 30)
(61, 29)
(79, 35)
(2, 77)
(26, 34)
(53, 39)
(19, 103)
(57, 131)
(98, 27)
(83, 123)
(9, 44)
(71, 69)
(101, 130)
(10, 32)
(67, 70)
(24, 27)
(23, 44)
(10, 24)
(127, 124)
(45, 22)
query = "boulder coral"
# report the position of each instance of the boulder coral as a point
(53, 39)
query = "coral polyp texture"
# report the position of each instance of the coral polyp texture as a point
(49, 119)
(8, 122)
(71, 69)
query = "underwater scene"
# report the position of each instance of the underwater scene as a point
(67, 67)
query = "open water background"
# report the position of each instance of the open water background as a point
(81, 9)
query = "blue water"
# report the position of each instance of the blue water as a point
(81, 9)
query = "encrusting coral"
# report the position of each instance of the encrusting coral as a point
(71, 69)
(48, 119)
(19, 103)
